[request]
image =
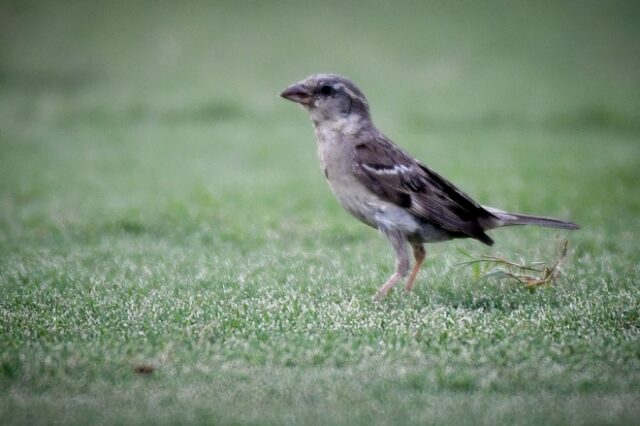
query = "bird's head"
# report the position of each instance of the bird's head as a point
(328, 98)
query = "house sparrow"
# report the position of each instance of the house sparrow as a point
(386, 188)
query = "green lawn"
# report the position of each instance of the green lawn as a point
(162, 208)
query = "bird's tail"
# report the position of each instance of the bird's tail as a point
(509, 219)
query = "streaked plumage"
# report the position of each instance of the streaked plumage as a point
(386, 188)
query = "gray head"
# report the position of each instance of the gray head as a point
(328, 97)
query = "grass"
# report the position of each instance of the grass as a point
(171, 254)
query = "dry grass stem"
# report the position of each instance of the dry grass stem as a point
(531, 275)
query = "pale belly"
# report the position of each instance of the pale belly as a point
(370, 209)
(382, 215)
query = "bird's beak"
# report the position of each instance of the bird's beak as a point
(297, 93)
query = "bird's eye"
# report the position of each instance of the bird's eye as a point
(327, 90)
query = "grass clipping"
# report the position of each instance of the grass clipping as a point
(530, 275)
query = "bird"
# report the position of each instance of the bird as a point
(385, 187)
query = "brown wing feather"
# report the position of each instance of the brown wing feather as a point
(396, 177)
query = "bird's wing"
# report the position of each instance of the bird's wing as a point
(395, 176)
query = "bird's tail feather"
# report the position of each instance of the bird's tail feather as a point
(509, 219)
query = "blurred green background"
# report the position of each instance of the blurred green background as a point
(160, 205)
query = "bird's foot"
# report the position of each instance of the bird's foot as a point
(382, 292)
(379, 296)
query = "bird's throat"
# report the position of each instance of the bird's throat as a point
(338, 127)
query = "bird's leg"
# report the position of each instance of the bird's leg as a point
(402, 264)
(419, 253)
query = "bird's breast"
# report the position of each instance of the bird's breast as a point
(357, 199)
(336, 160)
